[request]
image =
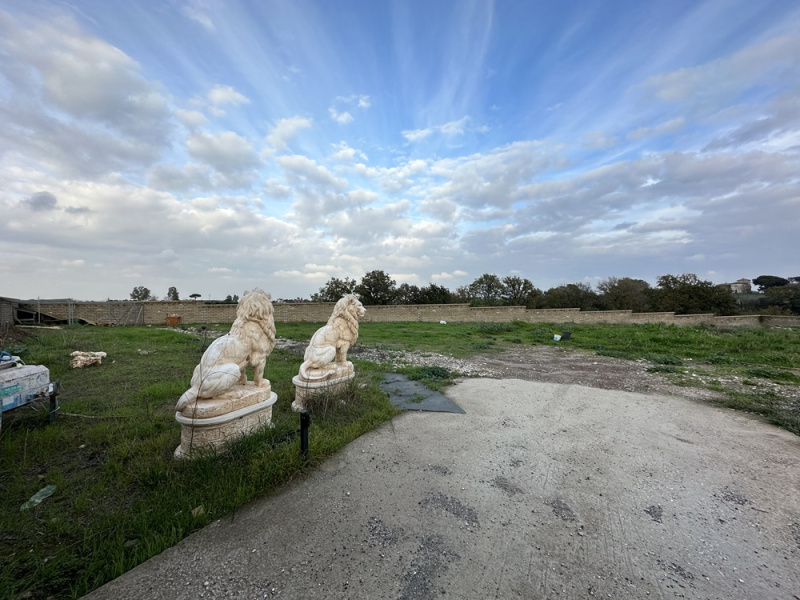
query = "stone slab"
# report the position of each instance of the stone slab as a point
(405, 394)
(238, 397)
(305, 389)
(212, 433)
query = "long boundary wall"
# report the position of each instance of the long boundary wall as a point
(156, 313)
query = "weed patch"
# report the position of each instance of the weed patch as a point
(436, 378)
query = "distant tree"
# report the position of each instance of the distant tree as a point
(786, 297)
(228, 299)
(573, 295)
(236, 298)
(172, 294)
(376, 288)
(435, 294)
(334, 289)
(462, 295)
(194, 296)
(518, 291)
(688, 294)
(487, 290)
(764, 282)
(624, 294)
(407, 294)
(141, 293)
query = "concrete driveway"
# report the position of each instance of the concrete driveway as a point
(538, 491)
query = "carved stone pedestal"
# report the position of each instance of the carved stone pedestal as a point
(209, 423)
(331, 380)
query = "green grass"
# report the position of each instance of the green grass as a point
(120, 495)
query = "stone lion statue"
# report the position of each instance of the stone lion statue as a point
(328, 347)
(250, 341)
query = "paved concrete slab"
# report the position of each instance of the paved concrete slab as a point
(539, 491)
(405, 394)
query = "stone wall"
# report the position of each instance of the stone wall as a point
(189, 311)
(8, 309)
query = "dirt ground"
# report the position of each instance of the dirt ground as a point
(547, 364)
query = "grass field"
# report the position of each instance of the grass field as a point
(121, 498)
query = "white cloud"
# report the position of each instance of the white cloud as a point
(285, 130)
(191, 118)
(225, 94)
(443, 276)
(301, 170)
(450, 128)
(193, 12)
(417, 135)
(492, 179)
(180, 178)
(343, 118)
(226, 151)
(671, 126)
(724, 78)
(274, 189)
(598, 139)
(65, 90)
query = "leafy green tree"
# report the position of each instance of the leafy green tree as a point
(764, 282)
(334, 289)
(462, 295)
(406, 294)
(572, 295)
(517, 291)
(487, 290)
(141, 293)
(688, 294)
(172, 294)
(624, 294)
(435, 294)
(786, 297)
(376, 287)
(194, 296)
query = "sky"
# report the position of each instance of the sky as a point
(217, 146)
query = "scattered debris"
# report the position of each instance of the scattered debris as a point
(84, 359)
(37, 498)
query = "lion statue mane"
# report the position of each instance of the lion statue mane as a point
(250, 341)
(329, 345)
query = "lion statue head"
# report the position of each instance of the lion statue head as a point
(255, 306)
(348, 309)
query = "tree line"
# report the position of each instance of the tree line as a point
(681, 294)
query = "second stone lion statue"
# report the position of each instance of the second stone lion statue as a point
(328, 347)
(250, 341)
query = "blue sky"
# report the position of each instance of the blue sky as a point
(219, 146)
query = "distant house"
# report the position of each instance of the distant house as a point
(742, 286)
